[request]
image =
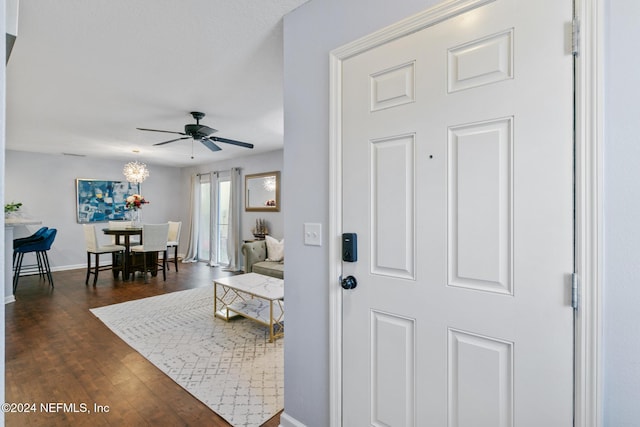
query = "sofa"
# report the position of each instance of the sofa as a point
(256, 260)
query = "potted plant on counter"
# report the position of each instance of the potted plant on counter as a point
(12, 209)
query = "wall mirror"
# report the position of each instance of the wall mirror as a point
(262, 192)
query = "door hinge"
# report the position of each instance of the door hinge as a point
(574, 291)
(575, 36)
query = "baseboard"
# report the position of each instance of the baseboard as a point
(289, 421)
(70, 267)
(84, 266)
(31, 272)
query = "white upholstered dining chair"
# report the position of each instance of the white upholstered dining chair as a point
(96, 249)
(154, 242)
(172, 241)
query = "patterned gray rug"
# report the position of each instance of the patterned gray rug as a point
(229, 366)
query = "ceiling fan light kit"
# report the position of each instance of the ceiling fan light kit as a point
(201, 133)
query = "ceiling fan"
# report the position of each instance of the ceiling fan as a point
(200, 133)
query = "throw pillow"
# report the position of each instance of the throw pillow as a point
(275, 249)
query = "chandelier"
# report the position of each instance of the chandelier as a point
(135, 172)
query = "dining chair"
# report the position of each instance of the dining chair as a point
(39, 247)
(154, 242)
(172, 241)
(94, 248)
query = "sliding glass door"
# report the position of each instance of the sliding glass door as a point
(214, 227)
(204, 219)
(214, 192)
(222, 224)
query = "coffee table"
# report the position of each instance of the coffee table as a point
(254, 296)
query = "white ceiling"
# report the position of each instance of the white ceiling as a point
(83, 75)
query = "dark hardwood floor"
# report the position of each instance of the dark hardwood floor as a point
(58, 352)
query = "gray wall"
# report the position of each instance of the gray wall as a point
(45, 184)
(622, 216)
(311, 32)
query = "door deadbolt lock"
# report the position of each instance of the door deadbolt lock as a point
(349, 247)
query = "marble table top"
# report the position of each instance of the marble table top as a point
(13, 222)
(270, 288)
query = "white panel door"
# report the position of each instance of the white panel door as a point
(457, 178)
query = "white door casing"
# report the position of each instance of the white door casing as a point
(589, 14)
(466, 179)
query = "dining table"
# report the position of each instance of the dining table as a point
(123, 237)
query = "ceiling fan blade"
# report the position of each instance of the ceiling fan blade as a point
(164, 131)
(231, 141)
(172, 140)
(210, 145)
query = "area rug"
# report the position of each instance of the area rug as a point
(229, 366)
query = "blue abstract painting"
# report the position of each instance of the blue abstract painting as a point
(99, 201)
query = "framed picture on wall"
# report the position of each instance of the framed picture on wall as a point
(102, 200)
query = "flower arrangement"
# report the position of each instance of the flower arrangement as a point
(135, 202)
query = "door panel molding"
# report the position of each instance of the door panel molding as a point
(588, 198)
(480, 373)
(393, 349)
(392, 172)
(480, 62)
(481, 180)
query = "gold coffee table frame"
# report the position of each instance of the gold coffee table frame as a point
(252, 296)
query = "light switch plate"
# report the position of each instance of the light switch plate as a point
(312, 234)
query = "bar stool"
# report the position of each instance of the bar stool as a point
(40, 247)
(24, 240)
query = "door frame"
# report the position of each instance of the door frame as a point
(588, 176)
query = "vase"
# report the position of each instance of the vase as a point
(136, 219)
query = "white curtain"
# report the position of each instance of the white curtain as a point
(233, 239)
(194, 219)
(213, 219)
